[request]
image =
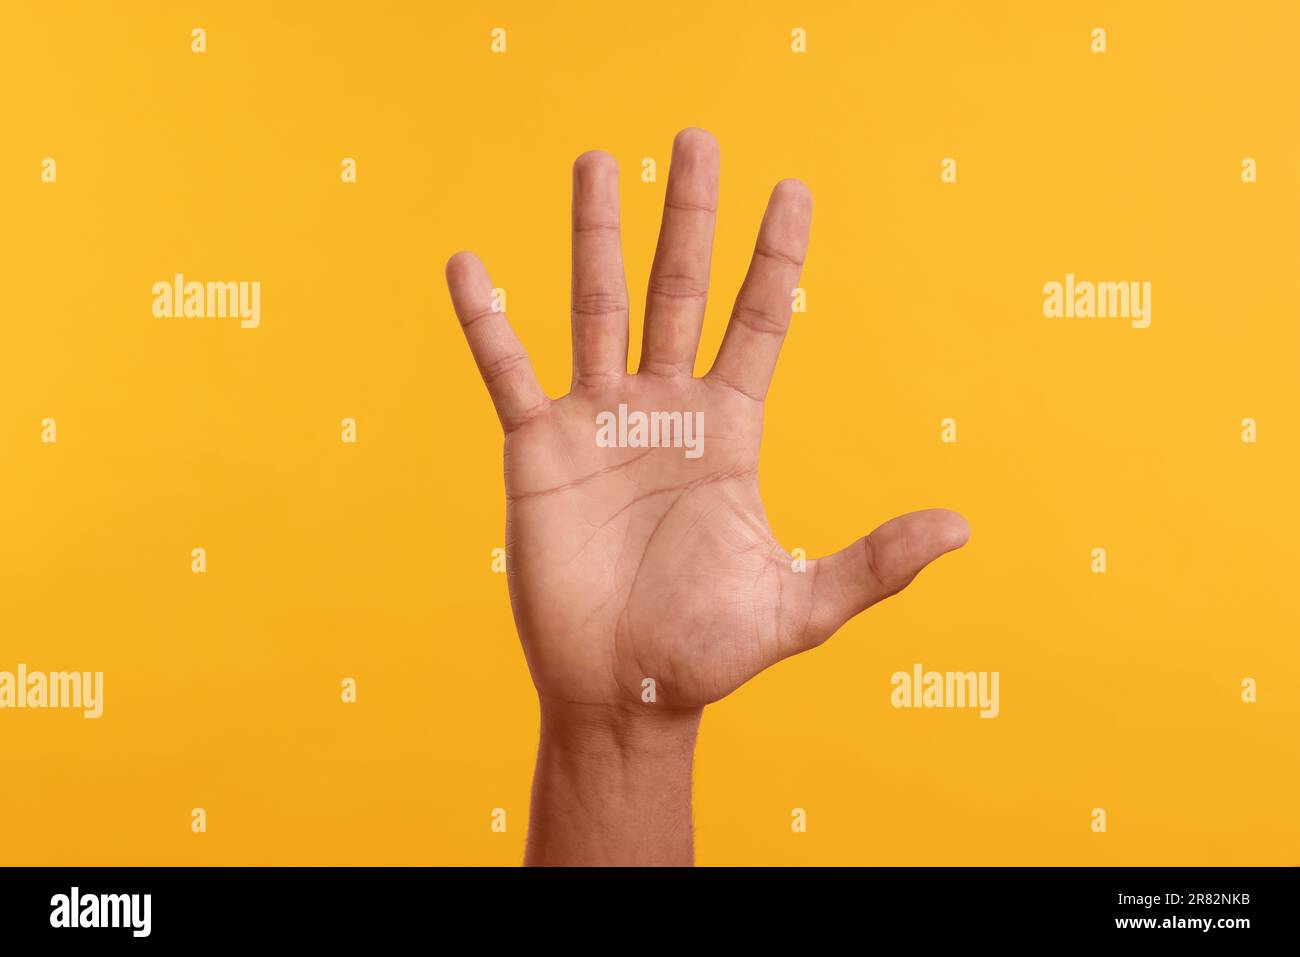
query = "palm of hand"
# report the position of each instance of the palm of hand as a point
(635, 563)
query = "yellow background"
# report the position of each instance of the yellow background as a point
(327, 560)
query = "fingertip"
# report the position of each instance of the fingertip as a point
(793, 187)
(695, 139)
(594, 163)
(696, 153)
(461, 264)
(927, 533)
(954, 530)
(794, 195)
(961, 529)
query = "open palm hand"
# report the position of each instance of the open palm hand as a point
(628, 561)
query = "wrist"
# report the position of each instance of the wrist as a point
(612, 786)
(624, 732)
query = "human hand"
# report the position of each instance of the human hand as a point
(634, 563)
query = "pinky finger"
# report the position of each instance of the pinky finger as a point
(501, 359)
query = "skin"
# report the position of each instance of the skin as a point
(632, 563)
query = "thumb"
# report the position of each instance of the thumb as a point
(880, 565)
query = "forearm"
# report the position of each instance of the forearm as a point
(612, 787)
